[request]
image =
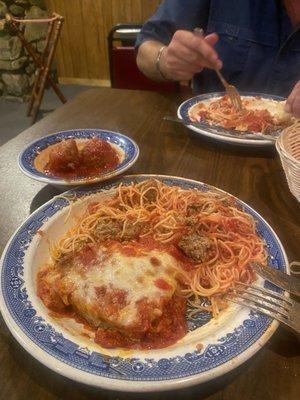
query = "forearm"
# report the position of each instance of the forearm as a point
(146, 59)
(186, 55)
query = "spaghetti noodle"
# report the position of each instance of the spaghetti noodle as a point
(213, 239)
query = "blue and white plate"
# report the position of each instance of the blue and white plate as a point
(216, 132)
(127, 149)
(211, 348)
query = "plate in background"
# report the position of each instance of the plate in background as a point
(218, 133)
(126, 147)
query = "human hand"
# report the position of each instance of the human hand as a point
(188, 54)
(292, 104)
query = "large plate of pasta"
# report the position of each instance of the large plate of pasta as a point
(123, 286)
(216, 118)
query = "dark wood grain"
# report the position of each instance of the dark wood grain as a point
(255, 176)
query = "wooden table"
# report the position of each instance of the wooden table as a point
(254, 176)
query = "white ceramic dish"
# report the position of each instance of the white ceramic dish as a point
(225, 343)
(127, 149)
(218, 133)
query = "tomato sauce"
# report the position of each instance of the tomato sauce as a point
(162, 284)
(162, 332)
(155, 327)
(69, 160)
(48, 294)
(87, 255)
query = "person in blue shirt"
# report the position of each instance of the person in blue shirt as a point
(256, 43)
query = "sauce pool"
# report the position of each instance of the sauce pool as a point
(82, 158)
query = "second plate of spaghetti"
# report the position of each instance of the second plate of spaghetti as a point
(123, 286)
(216, 118)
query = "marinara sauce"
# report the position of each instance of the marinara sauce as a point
(69, 160)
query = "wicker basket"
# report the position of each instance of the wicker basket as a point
(288, 147)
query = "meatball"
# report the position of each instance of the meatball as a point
(133, 231)
(195, 246)
(150, 190)
(108, 229)
(64, 157)
(97, 154)
(191, 221)
(194, 209)
(113, 229)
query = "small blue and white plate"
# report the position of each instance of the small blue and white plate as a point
(211, 348)
(127, 149)
(218, 133)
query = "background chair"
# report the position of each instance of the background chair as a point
(124, 73)
(42, 61)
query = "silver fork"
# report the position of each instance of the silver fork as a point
(275, 305)
(231, 90)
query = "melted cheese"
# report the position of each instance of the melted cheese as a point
(135, 275)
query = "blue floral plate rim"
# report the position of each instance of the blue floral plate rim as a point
(126, 144)
(133, 374)
(215, 132)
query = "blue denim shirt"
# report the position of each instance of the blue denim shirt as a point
(259, 48)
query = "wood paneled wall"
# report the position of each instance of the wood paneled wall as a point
(82, 55)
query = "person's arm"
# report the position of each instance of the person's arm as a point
(293, 101)
(146, 59)
(186, 55)
(172, 25)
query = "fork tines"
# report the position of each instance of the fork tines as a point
(271, 303)
(234, 97)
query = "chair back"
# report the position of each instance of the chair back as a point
(124, 73)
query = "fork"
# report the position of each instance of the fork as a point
(231, 90)
(275, 305)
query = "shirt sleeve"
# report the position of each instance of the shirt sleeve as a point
(172, 15)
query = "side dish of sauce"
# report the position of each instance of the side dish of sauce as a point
(78, 158)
